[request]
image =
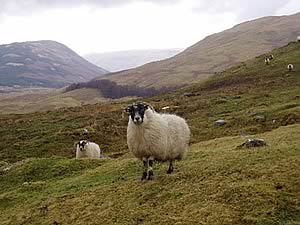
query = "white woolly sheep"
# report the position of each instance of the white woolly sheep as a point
(86, 149)
(298, 38)
(267, 61)
(290, 67)
(153, 136)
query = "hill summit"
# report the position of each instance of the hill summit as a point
(215, 53)
(43, 64)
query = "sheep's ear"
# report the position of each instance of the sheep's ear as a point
(148, 106)
(127, 109)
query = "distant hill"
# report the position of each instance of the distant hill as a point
(123, 60)
(43, 64)
(215, 53)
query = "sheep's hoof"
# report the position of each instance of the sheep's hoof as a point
(144, 176)
(150, 175)
(170, 170)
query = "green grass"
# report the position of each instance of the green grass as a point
(216, 183)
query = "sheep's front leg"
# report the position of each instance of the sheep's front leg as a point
(150, 171)
(145, 161)
(171, 167)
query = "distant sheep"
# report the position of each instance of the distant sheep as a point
(298, 38)
(86, 149)
(267, 61)
(153, 136)
(290, 67)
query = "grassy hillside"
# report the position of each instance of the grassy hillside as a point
(215, 53)
(215, 184)
(238, 95)
(28, 101)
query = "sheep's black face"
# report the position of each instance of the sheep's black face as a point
(136, 112)
(81, 145)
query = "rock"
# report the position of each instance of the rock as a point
(4, 166)
(260, 118)
(188, 94)
(250, 143)
(84, 131)
(104, 156)
(221, 101)
(279, 186)
(219, 123)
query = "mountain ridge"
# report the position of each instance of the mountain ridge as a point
(124, 60)
(214, 53)
(43, 63)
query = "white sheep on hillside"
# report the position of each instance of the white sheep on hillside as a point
(87, 149)
(267, 61)
(153, 136)
(290, 67)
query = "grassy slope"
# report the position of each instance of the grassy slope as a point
(215, 53)
(48, 100)
(236, 95)
(215, 184)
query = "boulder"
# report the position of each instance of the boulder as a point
(188, 94)
(219, 123)
(260, 118)
(251, 143)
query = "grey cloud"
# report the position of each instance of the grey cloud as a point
(244, 10)
(258, 8)
(21, 7)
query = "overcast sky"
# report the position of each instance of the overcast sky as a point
(111, 25)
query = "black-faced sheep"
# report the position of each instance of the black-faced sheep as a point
(153, 136)
(86, 149)
(290, 67)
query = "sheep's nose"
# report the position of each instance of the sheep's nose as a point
(137, 118)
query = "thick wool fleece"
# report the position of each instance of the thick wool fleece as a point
(91, 150)
(163, 136)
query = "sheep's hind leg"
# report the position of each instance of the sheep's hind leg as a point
(150, 171)
(145, 161)
(171, 167)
